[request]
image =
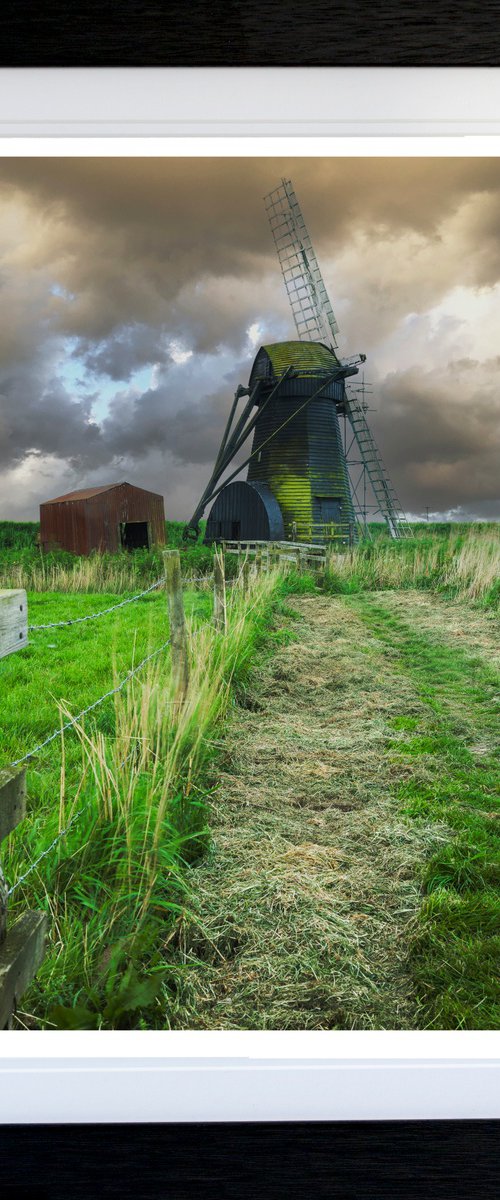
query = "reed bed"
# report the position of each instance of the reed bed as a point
(466, 565)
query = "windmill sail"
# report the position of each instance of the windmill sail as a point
(315, 321)
(311, 308)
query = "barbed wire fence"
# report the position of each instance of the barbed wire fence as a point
(113, 607)
(186, 581)
(25, 943)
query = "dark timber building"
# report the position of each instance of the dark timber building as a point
(297, 485)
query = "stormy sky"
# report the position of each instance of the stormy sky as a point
(134, 293)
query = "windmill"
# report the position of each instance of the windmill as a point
(314, 461)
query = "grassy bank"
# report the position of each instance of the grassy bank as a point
(465, 563)
(22, 564)
(462, 560)
(135, 776)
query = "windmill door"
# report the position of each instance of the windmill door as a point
(327, 517)
(329, 509)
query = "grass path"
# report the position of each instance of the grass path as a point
(451, 655)
(350, 880)
(313, 877)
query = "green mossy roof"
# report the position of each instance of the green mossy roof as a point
(302, 355)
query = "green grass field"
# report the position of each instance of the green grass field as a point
(135, 774)
(129, 888)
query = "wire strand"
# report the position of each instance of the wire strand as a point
(103, 612)
(112, 692)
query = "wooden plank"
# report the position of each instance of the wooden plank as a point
(20, 956)
(12, 799)
(13, 620)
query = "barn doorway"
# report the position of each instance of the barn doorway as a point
(134, 535)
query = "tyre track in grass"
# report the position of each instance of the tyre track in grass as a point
(451, 654)
(312, 884)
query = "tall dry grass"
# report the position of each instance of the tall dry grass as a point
(120, 884)
(466, 564)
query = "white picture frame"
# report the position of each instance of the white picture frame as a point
(150, 1077)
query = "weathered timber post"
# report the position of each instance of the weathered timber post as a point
(298, 559)
(302, 560)
(245, 576)
(13, 621)
(177, 621)
(275, 554)
(316, 563)
(258, 560)
(220, 615)
(22, 947)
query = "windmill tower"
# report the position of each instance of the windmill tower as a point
(303, 482)
(314, 319)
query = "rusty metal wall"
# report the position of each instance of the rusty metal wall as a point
(84, 525)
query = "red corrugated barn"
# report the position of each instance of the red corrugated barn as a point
(116, 516)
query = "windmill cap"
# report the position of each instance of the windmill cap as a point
(273, 360)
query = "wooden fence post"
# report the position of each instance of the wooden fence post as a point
(22, 947)
(177, 621)
(245, 576)
(258, 560)
(219, 592)
(13, 620)
(274, 554)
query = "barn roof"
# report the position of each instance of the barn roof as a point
(84, 493)
(304, 356)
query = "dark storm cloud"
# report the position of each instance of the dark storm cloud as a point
(131, 258)
(44, 420)
(191, 433)
(129, 236)
(440, 430)
(124, 352)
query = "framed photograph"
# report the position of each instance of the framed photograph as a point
(249, 573)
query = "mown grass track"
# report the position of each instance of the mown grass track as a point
(355, 857)
(453, 751)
